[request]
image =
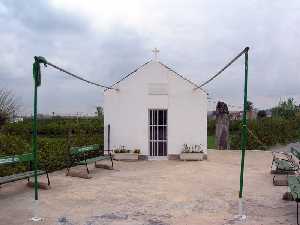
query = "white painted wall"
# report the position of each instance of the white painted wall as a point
(126, 110)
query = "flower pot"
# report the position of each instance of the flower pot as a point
(191, 156)
(126, 156)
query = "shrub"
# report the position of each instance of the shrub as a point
(56, 127)
(286, 109)
(137, 151)
(12, 145)
(53, 153)
(15, 138)
(269, 131)
(211, 127)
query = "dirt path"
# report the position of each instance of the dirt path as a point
(156, 193)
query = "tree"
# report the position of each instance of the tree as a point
(249, 110)
(261, 114)
(286, 109)
(100, 112)
(249, 106)
(8, 105)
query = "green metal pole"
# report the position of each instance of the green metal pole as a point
(244, 129)
(36, 71)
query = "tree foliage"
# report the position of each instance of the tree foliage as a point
(286, 109)
(249, 106)
(100, 112)
(8, 105)
(261, 114)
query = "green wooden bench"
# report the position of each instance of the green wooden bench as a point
(292, 154)
(294, 189)
(295, 152)
(284, 166)
(87, 154)
(15, 159)
(286, 163)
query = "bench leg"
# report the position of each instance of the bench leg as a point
(48, 178)
(112, 161)
(297, 213)
(87, 168)
(68, 171)
(69, 165)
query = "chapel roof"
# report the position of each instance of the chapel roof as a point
(165, 66)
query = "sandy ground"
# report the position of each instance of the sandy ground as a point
(156, 193)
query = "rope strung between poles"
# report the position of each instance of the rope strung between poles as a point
(256, 138)
(37, 82)
(45, 62)
(224, 68)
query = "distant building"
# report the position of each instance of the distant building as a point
(236, 115)
(16, 119)
(268, 112)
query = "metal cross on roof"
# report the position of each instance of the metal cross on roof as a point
(155, 51)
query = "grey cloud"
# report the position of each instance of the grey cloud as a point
(58, 37)
(41, 17)
(196, 39)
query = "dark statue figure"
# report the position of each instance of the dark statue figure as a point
(222, 126)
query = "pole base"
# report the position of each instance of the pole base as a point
(36, 219)
(241, 216)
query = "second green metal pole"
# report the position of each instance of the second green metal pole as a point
(244, 129)
(36, 71)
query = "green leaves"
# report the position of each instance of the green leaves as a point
(270, 131)
(286, 109)
(10, 145)
(56, 127)
(52, 140)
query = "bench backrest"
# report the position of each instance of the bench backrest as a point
(84, 149)
(295, 152)
(7, 160)
(294, 186)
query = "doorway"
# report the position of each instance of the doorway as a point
(158, 132)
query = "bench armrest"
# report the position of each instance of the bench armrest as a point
(109, 151)
(106, 150)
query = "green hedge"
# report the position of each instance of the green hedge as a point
(269, 131)
(53, 152)
(57, 127)
(15, 138)
(12, 145)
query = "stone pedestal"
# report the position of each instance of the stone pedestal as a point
(126, 156)
(191, 156)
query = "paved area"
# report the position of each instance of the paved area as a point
(156, 193)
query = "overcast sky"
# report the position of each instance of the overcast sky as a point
(105, 40)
